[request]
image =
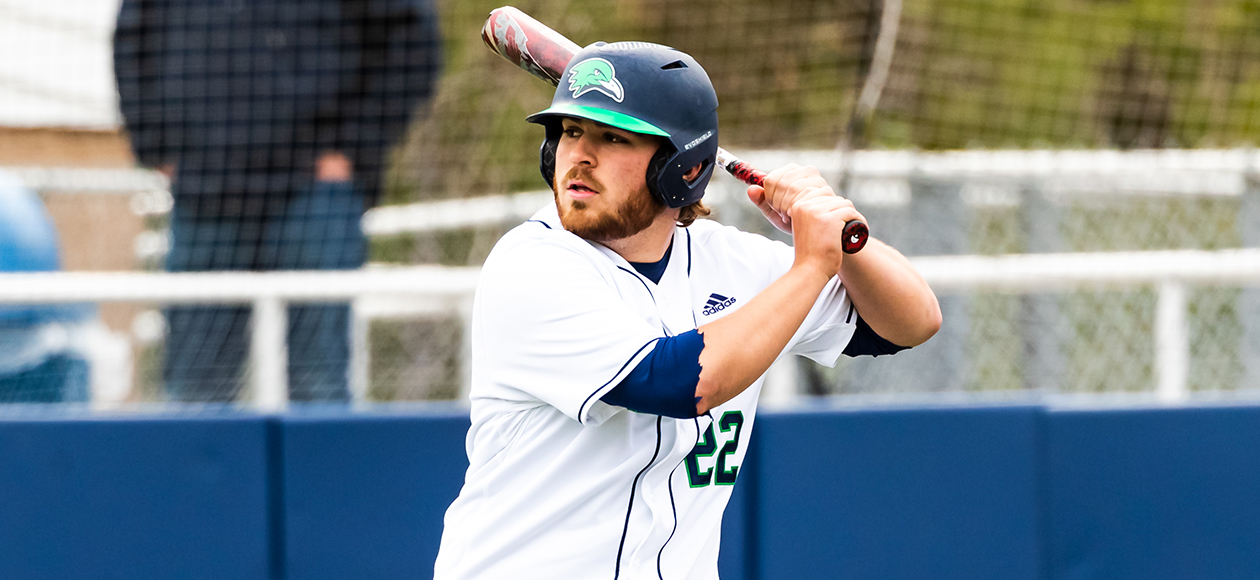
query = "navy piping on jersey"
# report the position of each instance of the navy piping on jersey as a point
(625, 528)
(640, 279)
(688, 232)
(540, 222)
(673, 508)
(623, 367)
(694, 322)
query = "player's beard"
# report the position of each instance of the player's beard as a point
(631, 217)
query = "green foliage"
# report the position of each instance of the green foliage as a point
(965, 74)
(784, 87)
(1070, 73)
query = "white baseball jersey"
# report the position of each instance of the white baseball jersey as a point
(563, 485)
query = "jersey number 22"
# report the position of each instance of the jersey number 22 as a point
(720, 474)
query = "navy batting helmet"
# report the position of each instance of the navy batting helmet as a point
(643, 88)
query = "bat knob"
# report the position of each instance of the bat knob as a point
(855, 235)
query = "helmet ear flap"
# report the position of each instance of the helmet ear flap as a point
(547, 154)
(656, 166)
(668, 168)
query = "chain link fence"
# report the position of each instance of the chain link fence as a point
(1039, 202)
(1092, 84)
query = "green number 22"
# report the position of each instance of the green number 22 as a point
(705, 448)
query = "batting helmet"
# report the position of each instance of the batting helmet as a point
(643, 88)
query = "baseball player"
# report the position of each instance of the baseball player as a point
(620, 343)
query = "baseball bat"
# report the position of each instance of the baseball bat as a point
(545, 53)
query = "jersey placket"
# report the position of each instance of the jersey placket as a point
(672, 302)
(660, 499)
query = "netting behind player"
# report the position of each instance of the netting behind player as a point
(964, 74)
(1103, 339)
(1096, 77)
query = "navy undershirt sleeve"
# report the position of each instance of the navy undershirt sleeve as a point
(664, 382)
(866, 341)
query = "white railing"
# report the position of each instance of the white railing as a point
(380, 291)
(1170, 272)
(876, 178)
(268, 292)
(882, 179)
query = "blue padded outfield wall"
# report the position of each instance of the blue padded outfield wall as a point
(1001, 492)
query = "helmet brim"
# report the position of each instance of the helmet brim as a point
(611, 118)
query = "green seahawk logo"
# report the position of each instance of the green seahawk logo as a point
(595, 74)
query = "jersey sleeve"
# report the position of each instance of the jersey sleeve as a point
(828, 327)
(552, 329)
(830, 324)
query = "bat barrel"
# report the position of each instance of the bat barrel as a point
(528, 43)
(545, 53)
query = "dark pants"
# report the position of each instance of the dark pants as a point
(206, 346)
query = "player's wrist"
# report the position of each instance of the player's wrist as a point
(816, 271)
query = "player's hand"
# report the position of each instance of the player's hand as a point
(784, 187)
(818, 231)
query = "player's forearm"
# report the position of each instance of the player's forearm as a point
(890, 294)
(739, 347)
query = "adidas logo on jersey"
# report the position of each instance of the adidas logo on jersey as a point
(716, 304)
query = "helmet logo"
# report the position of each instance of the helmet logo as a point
(595, 74)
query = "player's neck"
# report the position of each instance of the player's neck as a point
(650, 244)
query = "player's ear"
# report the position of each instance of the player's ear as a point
(693, 173)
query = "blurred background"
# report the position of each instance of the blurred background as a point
(192, 136)
(247, 203)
